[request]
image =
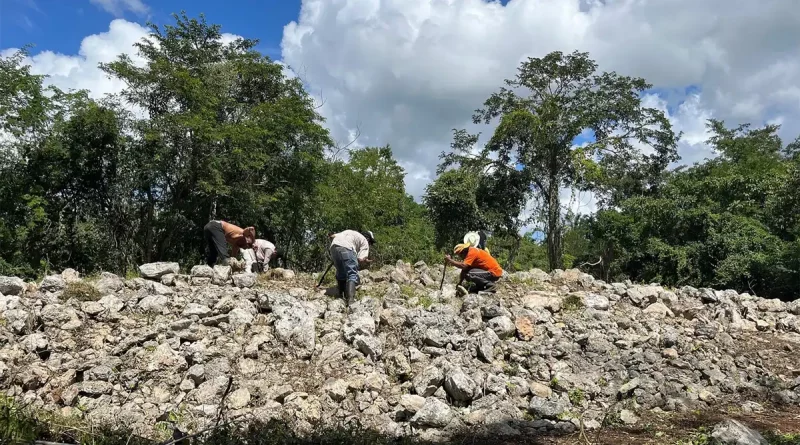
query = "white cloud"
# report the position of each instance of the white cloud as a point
(405, 72)
(81, 71)
(118, 7)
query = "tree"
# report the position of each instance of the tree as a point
(453, 205)
(227, 136)
(728, 223)
(368, 193)
(551, 101)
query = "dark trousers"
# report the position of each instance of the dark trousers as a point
(482, 279)
(217, 246)
(346, 264)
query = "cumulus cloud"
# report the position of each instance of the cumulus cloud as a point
(81, 71)
(118, 7)
(406, 72)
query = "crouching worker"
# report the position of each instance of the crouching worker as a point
(257, 259)
(219, 234)
(477, 267)
(349, 251)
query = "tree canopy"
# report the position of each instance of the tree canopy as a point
(205, 129)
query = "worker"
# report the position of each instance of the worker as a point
(219, 234)
(477, 267)
(349, 251)
(257, 259)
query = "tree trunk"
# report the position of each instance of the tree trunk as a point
(514, 251)
(554, 225)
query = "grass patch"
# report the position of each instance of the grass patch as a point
(776, 438)
(408, 291)
(576, 396)
(511, 369)
(572, 302)
(132, 273)
(81, 291)
(425, 301)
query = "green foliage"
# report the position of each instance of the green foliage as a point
(368, 193)
(81, 291)
(576, 396)
(727, 223)
(551, 101)
(778, 438)
(572, 302)
(425, 301)
(226, 136)
(453, 206)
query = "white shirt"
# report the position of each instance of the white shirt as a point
(352, 240)
(263, 249)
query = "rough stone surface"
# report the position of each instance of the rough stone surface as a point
(11, 285)
(516, 363)
(52, 283)
(733, 432)
(157, 270)
(434, 413)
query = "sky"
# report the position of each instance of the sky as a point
(407, 72)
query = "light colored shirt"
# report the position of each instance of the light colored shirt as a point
(350, 239)
(263, 249)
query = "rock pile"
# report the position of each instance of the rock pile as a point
(546, 353)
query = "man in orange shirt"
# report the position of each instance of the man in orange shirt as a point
(478, 267)
(219, 234)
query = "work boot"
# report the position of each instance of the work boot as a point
(341, 285)
(350, 293)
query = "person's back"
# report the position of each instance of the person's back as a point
(352, 240)
(481, 259)
(238, 237)
(349, 250)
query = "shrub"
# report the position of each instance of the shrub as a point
(81, 291)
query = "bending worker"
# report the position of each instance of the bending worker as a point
(219, 234)
(477, 267)
(259, 256)
(349, 251)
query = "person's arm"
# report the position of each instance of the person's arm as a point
(362, 255)
(455, 263)
(234, 251)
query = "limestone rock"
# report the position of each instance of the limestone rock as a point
(11, 285)
(733, 432)
(53, 283)
(434, 413)
(459, 386)
(244, 280)
(157, 270)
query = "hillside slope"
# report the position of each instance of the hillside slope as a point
(547, 353)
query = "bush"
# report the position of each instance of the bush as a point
(81, 291)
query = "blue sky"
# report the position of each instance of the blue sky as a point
(406, 72)
(60, 25)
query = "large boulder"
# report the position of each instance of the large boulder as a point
(434, 413)
(154, 271)
(53, 283)
(294, 325)
(202, 271)
(732, 432)
(459, 385)
(109, 283)
(11, 285)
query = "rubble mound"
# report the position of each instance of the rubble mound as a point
(546, 353)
